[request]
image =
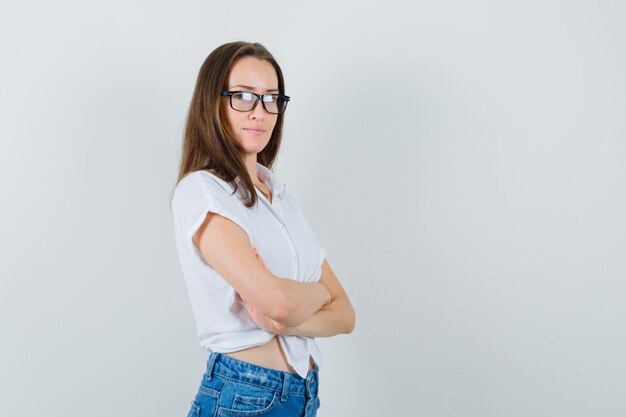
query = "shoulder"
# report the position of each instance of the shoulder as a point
(201, 180)
(201, 185)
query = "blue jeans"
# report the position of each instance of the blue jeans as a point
(231, 387)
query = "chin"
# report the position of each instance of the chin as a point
(254, 147)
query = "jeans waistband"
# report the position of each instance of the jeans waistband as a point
(274, 379)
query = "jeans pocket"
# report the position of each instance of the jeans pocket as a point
(245, 400)
(247, 403)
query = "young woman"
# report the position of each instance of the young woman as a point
(258, 280)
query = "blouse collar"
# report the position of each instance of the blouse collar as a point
(276, 186)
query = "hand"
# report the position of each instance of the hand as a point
(258, 255)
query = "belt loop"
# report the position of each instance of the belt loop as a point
(307, 386)
(283, 394)
(211, 364)
(311, 379)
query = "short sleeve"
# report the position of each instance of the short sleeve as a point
(196, 195)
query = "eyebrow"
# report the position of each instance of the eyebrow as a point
(247, 87)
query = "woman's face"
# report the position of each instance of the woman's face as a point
(252, 129)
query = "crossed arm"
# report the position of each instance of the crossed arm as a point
(278, 305)
(332, 318)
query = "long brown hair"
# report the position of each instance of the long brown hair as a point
(208, 143)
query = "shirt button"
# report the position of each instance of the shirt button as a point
(282, 226)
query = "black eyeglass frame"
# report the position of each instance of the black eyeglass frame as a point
(229, 94)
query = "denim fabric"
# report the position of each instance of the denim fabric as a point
(231, 387)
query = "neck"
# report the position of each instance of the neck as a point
(252, 169)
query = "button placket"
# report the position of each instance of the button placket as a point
(275, 210)
(291, 246)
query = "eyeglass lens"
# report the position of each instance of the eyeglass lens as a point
(273, 103)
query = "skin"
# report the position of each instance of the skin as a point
(319, 309)
(333, 318)
(252, 129)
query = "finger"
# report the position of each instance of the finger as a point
(258, 255)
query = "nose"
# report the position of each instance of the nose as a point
(257, 112)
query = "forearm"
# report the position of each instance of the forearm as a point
(314, 309)
(334, 318)
(301, 300)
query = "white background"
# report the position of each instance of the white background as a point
(463, 163)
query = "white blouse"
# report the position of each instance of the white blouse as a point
(283, 238)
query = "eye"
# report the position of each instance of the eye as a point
(243, 96)
(269, 98)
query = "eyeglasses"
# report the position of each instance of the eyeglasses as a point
(246, 101)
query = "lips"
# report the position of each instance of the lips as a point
(254, 129)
